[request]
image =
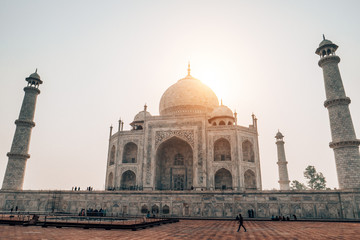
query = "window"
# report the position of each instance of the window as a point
(179, 160)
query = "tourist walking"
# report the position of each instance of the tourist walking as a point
(241, 223)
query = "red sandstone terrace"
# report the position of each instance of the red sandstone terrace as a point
(196, 229)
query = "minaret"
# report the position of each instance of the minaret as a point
(18, 155)
(344, 142)
(283, 172)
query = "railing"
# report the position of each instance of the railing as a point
(48, 217)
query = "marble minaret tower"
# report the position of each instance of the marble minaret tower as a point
(18, 155)
(282, 163)
(344, 142)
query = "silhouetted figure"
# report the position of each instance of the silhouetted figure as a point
(75, 188)
(252, 213)
(272, 218)
(12, 209)
(295, 218)
(249, 213)
(287, 218)
(241, 223)
(277, 218)
(16, 208)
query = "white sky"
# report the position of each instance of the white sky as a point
(101, 60)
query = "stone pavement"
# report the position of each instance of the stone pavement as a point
(196, 229)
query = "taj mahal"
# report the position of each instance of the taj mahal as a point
(194, 160)
(195, 143)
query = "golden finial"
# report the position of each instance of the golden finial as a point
(324, 36)
(189, 68)
(145, 107)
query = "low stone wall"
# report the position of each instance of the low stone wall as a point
(207, 204)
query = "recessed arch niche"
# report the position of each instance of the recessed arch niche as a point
(170, 175)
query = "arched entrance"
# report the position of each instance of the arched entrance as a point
(174, 163)
(128, 180)
(223, 179)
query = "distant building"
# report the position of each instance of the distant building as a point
(194, 143)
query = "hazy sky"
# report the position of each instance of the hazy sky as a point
(101, 60)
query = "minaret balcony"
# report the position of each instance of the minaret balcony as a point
(337, 101)
(341, 144)
(330, 58)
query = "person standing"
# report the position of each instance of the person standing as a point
(241, 223)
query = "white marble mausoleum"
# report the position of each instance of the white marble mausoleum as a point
(195, 143)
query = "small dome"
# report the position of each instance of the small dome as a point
(35, 75)
(141, 116)
(279, 135)
(325, 42)
(221, 111)
(34, 79)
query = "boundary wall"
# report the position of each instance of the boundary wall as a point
(332, 204)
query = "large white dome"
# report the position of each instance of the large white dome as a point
(188, 96)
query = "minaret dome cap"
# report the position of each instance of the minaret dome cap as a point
(279, 135)
(325, 43)
(34, 76)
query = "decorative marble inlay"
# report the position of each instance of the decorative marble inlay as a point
(187, 135)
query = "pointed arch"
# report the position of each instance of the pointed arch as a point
(249, 179)
(111, 181)
(155, 209)
(223, 179)
(144, 208)
(130, 153)
(174, 163)
(165, 209)
(128, 180)
(112, 156)
(248, 151)
(222, 150)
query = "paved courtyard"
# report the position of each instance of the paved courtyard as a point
(196, 229)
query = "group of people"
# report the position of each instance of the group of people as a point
(274, 218)
(78, 188)
(12, 209)
(93, 212)
(149, 215)
(282, 218)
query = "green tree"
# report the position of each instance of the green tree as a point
(296, 185)
(316, 180)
